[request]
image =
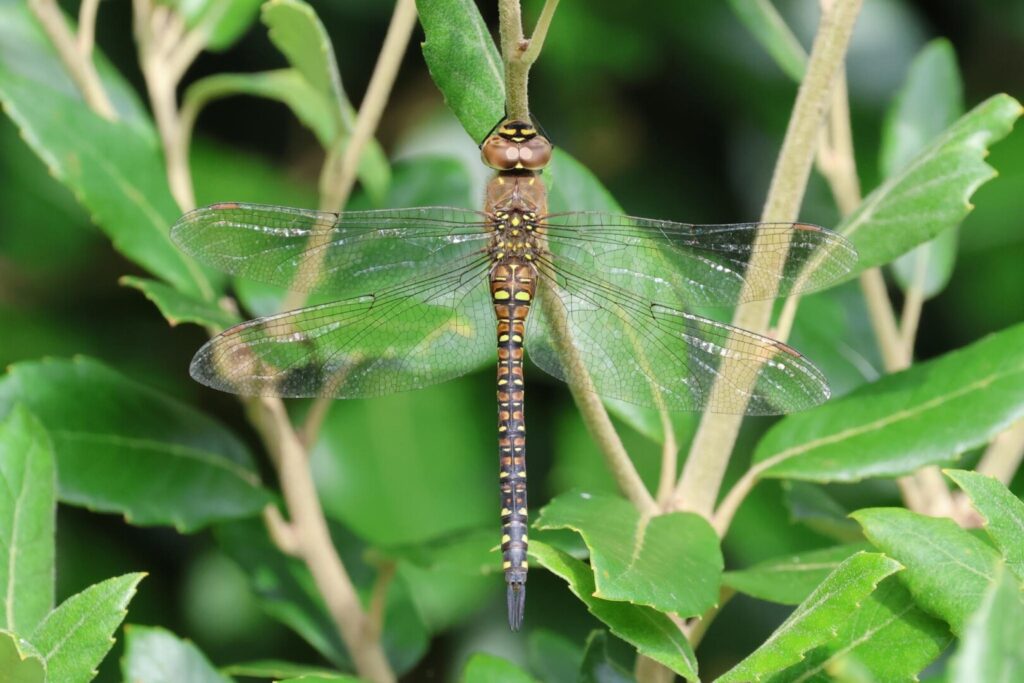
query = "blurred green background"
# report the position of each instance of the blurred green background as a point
(672, 105)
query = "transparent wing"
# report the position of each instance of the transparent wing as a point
(405, 337)
(705, 265)
(663, 357)
(329, 253)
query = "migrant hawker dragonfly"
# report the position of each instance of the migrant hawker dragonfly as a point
(419, 292)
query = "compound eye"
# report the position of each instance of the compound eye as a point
(534, 154)
(499, 154)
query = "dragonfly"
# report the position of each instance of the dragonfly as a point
(418, 295)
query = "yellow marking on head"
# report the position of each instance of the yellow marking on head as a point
(506, 565)
(519, 164)
(505, 538)
(527, 131)
(522, 511)
(522, 295)
(501, 294)
(504, 130)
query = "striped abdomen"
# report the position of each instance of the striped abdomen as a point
(512, 289)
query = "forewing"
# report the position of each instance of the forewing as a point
(662, 357)
(702, 265)
(334, 254)
(402, 338)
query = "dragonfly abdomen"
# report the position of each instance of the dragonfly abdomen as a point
(512, 288)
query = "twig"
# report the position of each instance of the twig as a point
(883, 319)
(281, 532)
(378, 599)
(696, 629)
(312, 539)
(79, 65)
(338, 178)
(157, 32)
(87, 27)
(669, 461)
(1003, 456)
(540, 32)
(519, 53)
(914, 302)
(702, 475)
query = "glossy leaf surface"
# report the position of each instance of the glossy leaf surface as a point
(928, 414)
(28, 503)
(947, 570)
(670, 562)
(123, 447)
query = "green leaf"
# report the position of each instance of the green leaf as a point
(123, 447)
(947, 569)
(811, 505)
(464, 63)
(283, 586)
(115, 171)
(369, 464)
(155, 655)
(1002, 511)
(766, 25)
(179, 308)
(28, 505)
(222, 22)
(887, 639)
(931, 100)
(930, 413)
(297, 32)
(671, 562)
(652, 633)
(931, 193)
(597, 666)
(553, 656)
(323, 678)
(789, 580)
(287, 592)
(486, 668)
(19, 661)
(817, 619)
(75, 637)
(990, 649)
(449, 577)
(272, 668)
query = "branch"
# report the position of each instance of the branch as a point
(311, 539)
(338, 177)
(1003, 455)
(77, 62)
(709, 455)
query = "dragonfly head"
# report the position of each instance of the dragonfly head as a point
(516, 145)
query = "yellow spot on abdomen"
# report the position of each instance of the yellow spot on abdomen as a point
(501, 294)
(522, 295)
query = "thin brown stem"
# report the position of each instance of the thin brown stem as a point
(669, 461)
(379, 598)
(78, 65)
(312, 539)
(87, 12)
(914, 302)
(1003, 456)
(338, 176)
(701, 480)
(540, 32)
(281, 532)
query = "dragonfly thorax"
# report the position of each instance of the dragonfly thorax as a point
(515, 235)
